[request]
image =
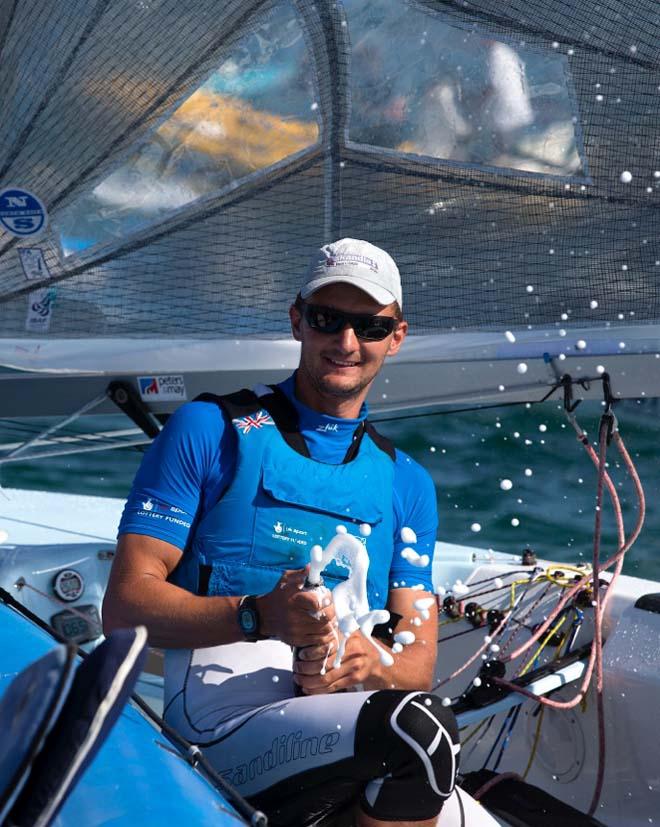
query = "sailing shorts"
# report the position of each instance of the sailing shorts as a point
(300, 759)
(393, 751)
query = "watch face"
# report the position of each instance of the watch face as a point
(248, 620)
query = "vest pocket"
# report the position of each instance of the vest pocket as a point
(293, 514)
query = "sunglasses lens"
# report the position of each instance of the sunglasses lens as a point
(323, 319)
(368, 328)
(373, 328)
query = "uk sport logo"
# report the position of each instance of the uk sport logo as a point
(246, 423)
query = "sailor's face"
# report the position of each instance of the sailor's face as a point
(340, 364)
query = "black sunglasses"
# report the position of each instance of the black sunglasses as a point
(328, 320)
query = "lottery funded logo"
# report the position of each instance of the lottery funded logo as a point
(167, 388)
(21, 212)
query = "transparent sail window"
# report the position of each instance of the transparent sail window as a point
(453, 93)
(257, 109)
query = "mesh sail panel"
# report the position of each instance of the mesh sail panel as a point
(191, 157)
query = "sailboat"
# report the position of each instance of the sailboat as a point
(166, 169)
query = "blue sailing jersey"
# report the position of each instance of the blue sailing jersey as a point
(192, 462)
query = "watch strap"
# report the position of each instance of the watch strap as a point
(248, 618)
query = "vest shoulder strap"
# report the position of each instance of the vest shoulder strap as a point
(246, 402)
(382, 442)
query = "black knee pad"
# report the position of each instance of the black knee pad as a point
(411, 744)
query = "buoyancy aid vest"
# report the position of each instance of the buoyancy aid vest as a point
(281, 502)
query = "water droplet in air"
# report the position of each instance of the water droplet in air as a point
(522, 368)
(626, 177)
(515, 522)
(509, 335)
(475, 527)
(528, 472)
(580, 344)
(506, 485)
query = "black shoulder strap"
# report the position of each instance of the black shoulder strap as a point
(246, 402)
(381, 441)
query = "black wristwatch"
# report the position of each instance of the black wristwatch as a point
(248, 618)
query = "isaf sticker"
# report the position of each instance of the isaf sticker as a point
(169, 388)
(21, 212)
(40, 310)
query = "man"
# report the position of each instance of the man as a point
(212, 555)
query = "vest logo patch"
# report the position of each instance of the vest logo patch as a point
(289, 533)
(246, 423)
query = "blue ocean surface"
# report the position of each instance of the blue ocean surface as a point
(549, 505)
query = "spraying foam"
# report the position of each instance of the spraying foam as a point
(350, 596)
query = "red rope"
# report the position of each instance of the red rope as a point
(595, 659)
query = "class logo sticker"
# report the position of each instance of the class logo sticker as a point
(21, 212)
(33, 264)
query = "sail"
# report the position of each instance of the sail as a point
(186, 158)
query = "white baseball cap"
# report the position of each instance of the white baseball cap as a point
(355, 262)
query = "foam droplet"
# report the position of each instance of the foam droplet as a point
(626, 177)
(475, 527)
(509, 335)
(408, 535)
(506, 485)
(404, 638)
(341, 529)
(522, 368)
(446, 702)
(365, 529)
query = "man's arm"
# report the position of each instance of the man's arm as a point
(138, 593)
(413, 667)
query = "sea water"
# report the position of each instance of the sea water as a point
(468, 456)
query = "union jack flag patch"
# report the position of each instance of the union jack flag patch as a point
(258, 420)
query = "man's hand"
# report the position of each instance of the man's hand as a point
(413, 666)
(359, 663)
(297, 617)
